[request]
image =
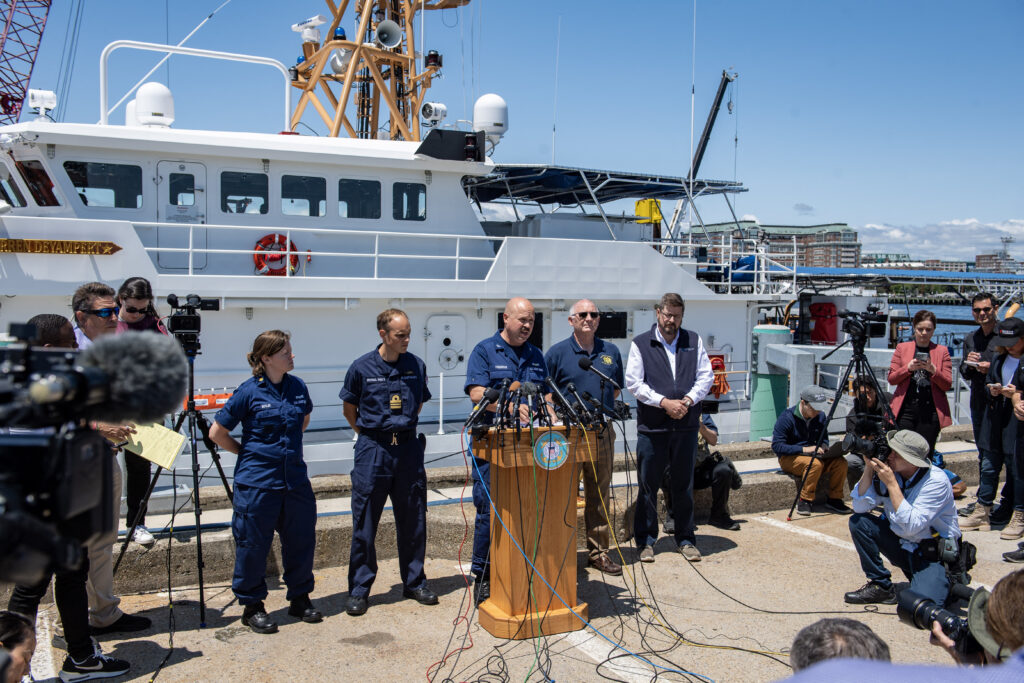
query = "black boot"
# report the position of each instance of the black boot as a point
(481, 589)
(302, 608)
(255, 617)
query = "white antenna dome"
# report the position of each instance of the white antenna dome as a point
(154, 105)
(490, 114)
(130, 120)
(339, 60)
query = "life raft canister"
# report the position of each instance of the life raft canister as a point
(825, 330)
(270, 259)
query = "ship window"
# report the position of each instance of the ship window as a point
(10, 193)
(358, 198)
(182, 189)
(410, 201)
(117, 186)
(38, 182)
(243, 192)
(303, 195)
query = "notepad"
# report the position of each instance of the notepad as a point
(156, 443)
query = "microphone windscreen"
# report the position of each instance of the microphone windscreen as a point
(491, 394)
(513, 387)
(147, 373)
(529, 389)
(585, 363)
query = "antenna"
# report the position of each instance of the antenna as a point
(554, 113)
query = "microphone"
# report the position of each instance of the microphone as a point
(507, 389)
(598, 406)
(530, 392)
(124, 378)
(584, 413)
(561, 400)
(488, 398)
(587, 364)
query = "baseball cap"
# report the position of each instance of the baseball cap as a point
(815, 396)
(1009, 332)
(910, 445)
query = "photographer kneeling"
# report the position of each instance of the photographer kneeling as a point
(918, 500)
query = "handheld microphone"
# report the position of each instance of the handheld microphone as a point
(587, 364)
(583, 412)
(479, 409)
(132, 377)
(562, 401)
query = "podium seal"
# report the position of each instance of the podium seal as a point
(551, 451)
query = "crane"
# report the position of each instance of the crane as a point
(23, 23)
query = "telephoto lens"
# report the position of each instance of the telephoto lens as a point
(920, 612)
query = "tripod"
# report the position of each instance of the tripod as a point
(859, 363)
(197, 426)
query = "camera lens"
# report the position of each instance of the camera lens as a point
(918, 611)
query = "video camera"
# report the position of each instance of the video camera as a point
(55, 472)
(862, 325)
(185, 324)
(874, 446)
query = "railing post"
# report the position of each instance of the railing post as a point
(288, 253)
(440, 402)
(458, 255)
(190, 247)
(376, 254)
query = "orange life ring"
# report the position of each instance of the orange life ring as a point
(268, 257)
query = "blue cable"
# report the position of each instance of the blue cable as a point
(487, 491)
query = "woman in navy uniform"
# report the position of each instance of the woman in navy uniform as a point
(272, 490)
(382, 396)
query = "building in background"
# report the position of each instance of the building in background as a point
(948, 266)
(999, 262)
(833, 245)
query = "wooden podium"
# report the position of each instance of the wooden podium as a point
(533, 485)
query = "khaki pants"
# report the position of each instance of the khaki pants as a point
(835, 468)
(597, 477)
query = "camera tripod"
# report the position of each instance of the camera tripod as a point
(859, 367)
(197, 426)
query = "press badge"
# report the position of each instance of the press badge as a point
(396, 402)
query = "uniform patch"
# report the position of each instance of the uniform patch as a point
(606, 359)
(396, 401)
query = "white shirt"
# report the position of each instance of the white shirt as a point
(83, 341)
(927, 505)
(643, 391)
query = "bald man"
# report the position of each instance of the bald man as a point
(507, 355)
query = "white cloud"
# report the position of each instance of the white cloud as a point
(750, 217)
(957, 239)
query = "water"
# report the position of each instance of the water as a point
(948, 335)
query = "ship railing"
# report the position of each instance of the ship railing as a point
(455, 244)
(737, 265)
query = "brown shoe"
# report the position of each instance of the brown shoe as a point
(1014, 529)
(605, 564)
(978, 519)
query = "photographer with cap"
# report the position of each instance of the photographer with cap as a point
(918, 514)
(793, 441)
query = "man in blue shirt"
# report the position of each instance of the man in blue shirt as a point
(507, 355)
(383, 394)
(918, 502)
(562, 360)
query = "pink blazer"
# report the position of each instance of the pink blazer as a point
(942, 380)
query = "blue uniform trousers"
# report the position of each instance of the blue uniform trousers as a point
(873, 538)
(655, 452)
(482, 525)
(380, 471)
(258, 512)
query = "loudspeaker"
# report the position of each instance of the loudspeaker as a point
(389, 34)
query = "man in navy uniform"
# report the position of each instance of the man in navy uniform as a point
(669, 373)
(383, 394)
(507, 355)
(563, 363)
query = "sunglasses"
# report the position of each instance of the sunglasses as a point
(132, 309)
(104, 312)
(982, 310)
(583, 315)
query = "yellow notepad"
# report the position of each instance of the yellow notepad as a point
(156, 443)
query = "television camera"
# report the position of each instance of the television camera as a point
(185, 324)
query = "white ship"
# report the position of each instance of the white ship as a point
(379, 219)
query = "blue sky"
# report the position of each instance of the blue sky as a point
(902, 119)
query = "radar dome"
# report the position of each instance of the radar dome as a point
(154, 105)
(490, 114)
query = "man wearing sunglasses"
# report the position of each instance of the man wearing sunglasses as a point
(977, 359)
(562, 360)
(95, 312)
(669, 372)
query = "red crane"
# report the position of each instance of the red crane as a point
(23, 22)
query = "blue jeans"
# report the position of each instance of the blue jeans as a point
(482, 525)
(654, 453)
(873, 538)
(990, 464)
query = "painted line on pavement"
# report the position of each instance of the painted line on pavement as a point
(599, 650)
(42, 660)
(789, 526)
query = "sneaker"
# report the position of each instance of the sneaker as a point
(837, 506)
(96, 665)
(978, 518)
(647, 554)
(871, 594)
(803, 507)
(1014, 529)
(966, 510)
(126, 623)
(143, 537)
(1014, 556)
(690, 552)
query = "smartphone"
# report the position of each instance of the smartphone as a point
(921, 356)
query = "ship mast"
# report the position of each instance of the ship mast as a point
(375, 70)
